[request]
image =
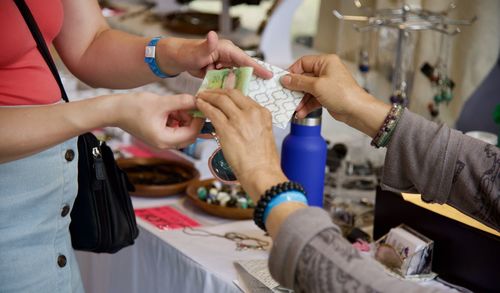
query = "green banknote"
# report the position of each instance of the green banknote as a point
(234, 78)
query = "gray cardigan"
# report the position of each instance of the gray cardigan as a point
(444, 165)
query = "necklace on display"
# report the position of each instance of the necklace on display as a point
(242, 241)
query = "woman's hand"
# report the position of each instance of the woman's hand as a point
(163, 122)
(198, 56)
(328, 83)
(246, 137)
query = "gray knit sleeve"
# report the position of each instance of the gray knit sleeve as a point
(445, 166)
(309, 254)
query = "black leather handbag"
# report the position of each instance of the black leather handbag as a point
(102, 218)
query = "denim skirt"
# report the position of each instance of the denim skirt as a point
(36, 197)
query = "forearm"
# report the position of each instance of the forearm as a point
(445, 166)
(113, 59)
(28, 130)
(309, 254)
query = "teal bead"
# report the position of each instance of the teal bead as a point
(438, 99)
(251, 204)
(447, 96)
(242, 203)
(202, 193)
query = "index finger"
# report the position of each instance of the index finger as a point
(306, 64)
(242, 59)
(238, 98)
(181, 136)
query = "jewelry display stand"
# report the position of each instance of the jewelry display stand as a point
(406, 20)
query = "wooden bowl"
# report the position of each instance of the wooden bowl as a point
(234, 213)
(157, 177)
(196, 23)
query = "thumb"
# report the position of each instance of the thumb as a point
(180, 102)
(210, 44)
(298, 82)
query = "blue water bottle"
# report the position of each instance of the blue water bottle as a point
(303, 156)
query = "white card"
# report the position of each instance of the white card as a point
(258, 269)
(281, 102)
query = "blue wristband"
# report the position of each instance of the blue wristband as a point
(287, 196)
(150, 59)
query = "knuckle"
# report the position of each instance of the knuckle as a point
(185, 100)
(334, 58)
(232, 92)
(228, 42)
(316, 84)
(297, 81)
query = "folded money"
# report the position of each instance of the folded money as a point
(281, 102)
(229, 78)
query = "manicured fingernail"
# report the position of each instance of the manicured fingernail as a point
(286, 79)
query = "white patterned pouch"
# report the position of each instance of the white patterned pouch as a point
(281, 102)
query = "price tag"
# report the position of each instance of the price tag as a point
(166, 218)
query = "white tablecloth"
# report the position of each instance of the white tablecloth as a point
(171, 261)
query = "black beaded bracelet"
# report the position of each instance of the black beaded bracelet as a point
(258, 214)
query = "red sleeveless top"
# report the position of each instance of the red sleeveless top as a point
(25, 78)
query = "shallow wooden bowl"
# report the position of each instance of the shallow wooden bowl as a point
(234, 213)
(157, 177)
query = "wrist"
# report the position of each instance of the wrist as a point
(279, 214)
(113, 109)
(274, 196)
(167, 56)
(367, 114)
(257, 182)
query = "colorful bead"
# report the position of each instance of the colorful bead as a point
(242, 203)
(383, 136)
(217, 185)
(202, 193)
(224, 201)
(223, 195)
(213, 191)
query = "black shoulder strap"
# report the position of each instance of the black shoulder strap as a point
(42, 47)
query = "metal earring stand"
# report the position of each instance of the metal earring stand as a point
(406, 20)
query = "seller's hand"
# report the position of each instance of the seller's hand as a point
(327, 82)
(245, 132)
(163, 122)
(198, 56)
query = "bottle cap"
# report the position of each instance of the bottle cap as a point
(312, 119)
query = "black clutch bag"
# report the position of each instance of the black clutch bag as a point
(102, 218)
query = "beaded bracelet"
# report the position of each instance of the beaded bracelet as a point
(387, 129)
(258, 214)
(287, 196)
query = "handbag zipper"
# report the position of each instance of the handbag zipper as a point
(100, 173)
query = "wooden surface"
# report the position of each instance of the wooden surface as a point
(450, 212)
